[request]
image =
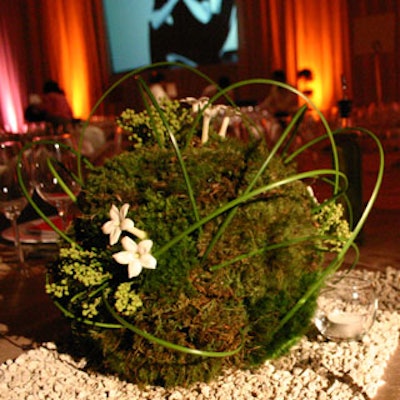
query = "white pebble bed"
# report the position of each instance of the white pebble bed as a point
(314, 369)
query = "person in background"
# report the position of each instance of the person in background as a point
(304, 81)
(34, 112)
(55, 104)
(280, 102)
(210, 90)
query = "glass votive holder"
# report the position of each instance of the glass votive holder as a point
(346, 308)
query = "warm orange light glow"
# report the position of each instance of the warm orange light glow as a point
(304, 34)
(320, 46)
(67, 49)
(78, 68)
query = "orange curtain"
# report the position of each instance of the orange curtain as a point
(262, 38)
(297, 34)
(51, 39)
(322, 44)
(76, 57)
(65, 40)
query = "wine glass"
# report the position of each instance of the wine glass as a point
(12, 199)
(55, 171)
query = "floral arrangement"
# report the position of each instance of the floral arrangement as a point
(195, 252)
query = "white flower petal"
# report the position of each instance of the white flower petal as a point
(138, 233)
(114, 236)
(145, 246)
(134, 268)
(108, 227)
(123, 257)
(129, 245)
(148, 261)
(114, 213)
(127, 224)
(124, 211)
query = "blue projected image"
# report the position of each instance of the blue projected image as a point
(189, 31)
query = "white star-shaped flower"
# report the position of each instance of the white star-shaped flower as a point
(118, 223)
(137, 256)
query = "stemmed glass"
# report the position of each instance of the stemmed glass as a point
(12, 199)
(55, 171)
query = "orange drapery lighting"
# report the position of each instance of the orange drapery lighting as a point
(64, 40)
(321, 44)
(69, 64)
(293, 35)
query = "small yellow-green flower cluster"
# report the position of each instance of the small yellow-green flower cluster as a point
(332, 224)
(59, 289)
(80, 266)
(126, 300)
(145, 125)
(89, 310)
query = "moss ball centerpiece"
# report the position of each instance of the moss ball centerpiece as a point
(191, 256)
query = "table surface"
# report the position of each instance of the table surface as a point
(391, 390)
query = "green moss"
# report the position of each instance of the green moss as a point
(184, 300)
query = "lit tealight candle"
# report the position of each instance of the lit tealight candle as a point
(345, 325)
